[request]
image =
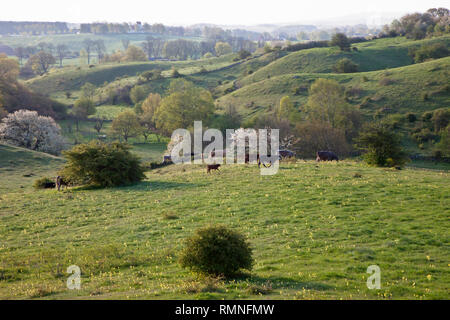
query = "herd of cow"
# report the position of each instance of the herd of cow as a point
(283, 154)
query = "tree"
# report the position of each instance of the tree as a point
(125, 43)
(184, 104)
(88, 46)
(345, 65)
(137, 94)
(444, 142)
(243, 54)
(146, 119)
(326, 101)
(222, 48)
(61, 53)
(21, 53)
(126, 125)
(99, 124)
(3, 112)
(25, 128)
(106, 165)
(441, 118)
(340, 40)
(381, 147)
(9, 68)
(286, 109)
(314, 135)
(41, 62)
(134, 53)
(88, 91)
(99, 47)
(83, 108)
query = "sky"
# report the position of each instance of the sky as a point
(223, 12)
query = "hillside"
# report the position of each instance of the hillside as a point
(16, 96)
(403, 90)
(19, 167)
(371, 56)
(72, 78)
(314, 231)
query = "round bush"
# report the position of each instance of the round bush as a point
(216, 250)
(102, 164)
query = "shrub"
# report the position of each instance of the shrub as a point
(44, 183)
(216, 250)
(382, 147)
(345, 65)
(434, 51)
(441, 118)
(411, 117)
(102, 164)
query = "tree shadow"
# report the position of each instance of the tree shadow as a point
(144, 185)
(283, 282)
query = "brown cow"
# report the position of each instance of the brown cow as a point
(326, 156)
(211, 167)
(60, 182)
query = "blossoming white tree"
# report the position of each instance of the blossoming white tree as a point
(25, 128)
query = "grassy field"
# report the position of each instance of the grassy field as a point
(71, 78)
(371, 56)
(314, 230)
(402, 92)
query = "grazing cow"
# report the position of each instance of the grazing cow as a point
(60, 182)
(211, 167)
(286, 154)
(326, 156)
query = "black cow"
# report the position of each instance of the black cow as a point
(326, 156)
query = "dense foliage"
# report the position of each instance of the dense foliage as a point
(102, 164)
(217, 250)
(381, 147)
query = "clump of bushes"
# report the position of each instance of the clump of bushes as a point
(433, 51)
(102, 164)
(44, 183)
(345, 65)
(381, 147)
(411, 117)
(217, 250)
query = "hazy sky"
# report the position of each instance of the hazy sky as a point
(185, 12)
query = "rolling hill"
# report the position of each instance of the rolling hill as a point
(374, 55)
(398, 89)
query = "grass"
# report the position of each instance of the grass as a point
(314, 231)
(71, 78)
(371, 56)
(403, 93)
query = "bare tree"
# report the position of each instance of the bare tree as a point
(88, 45)
(20, 52)
(99, 47)
(61, 53)
(125, 43)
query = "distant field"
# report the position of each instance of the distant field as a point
(314, 231)
(75, 41)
